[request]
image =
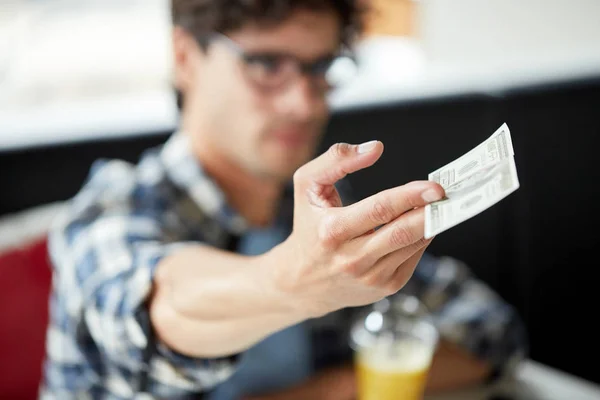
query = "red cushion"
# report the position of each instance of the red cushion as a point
(25, 280)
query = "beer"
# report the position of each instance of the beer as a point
(395, 371)
(394, 343)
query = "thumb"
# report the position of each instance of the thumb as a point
(340, 160)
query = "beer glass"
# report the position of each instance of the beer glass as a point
(394, 342)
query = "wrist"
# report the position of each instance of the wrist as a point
(277, 278)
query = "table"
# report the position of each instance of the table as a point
(533, 381)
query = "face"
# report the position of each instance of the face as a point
(267, 131)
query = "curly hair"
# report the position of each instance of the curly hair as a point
(200, 17)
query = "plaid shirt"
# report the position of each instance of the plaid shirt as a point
(105, 249)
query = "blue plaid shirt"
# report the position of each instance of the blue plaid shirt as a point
(126, 218)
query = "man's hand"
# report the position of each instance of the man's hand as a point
(336, 257)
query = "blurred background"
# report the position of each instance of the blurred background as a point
(88, 79)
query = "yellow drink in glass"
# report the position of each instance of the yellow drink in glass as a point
(394, 345)
(393, 373)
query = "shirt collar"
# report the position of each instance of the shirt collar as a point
(187, 173)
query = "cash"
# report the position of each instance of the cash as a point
(473, 183)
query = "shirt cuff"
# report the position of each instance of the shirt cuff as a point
(169, 368)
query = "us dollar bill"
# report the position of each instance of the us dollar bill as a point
(473, 182)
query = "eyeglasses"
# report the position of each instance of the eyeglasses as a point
(274, 70)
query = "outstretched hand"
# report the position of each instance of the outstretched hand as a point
(340, 256)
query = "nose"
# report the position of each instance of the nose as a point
(300, 100)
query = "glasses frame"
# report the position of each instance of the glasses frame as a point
(315, 70)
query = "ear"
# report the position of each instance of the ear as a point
(186, 53)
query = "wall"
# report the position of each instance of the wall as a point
(517, 41)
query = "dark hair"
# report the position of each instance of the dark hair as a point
(201, 17)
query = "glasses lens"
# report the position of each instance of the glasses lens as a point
(341, 71)
(270, 70)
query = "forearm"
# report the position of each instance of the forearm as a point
(211, 303)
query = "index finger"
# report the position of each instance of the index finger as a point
(379, 209)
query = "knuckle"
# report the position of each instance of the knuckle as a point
(394, 286)
(329, 232)
(298, 175)
(339, 150)
(381, 212)
(422, 242)
(401, 236)
(372, 280)
(353, 267)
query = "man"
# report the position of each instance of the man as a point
(202, 260)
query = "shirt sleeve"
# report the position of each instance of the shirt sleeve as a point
(469, 313)
(105, 263)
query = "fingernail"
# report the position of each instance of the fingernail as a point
(431, 195)
(366, 147)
